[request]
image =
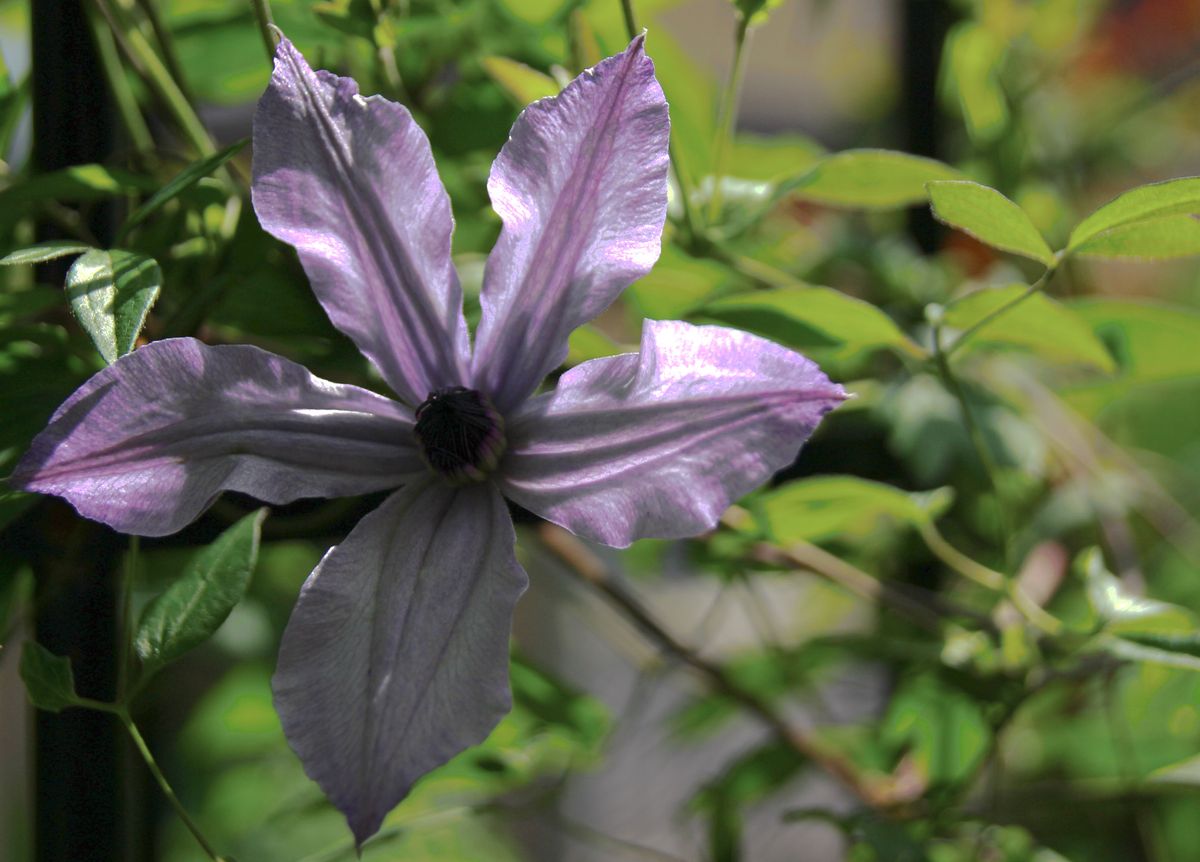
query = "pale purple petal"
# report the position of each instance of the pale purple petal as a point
(659, 443)
(148, 443)
(350, 182)
(396, 655)
(581, 187)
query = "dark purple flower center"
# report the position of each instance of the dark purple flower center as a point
(460, 433)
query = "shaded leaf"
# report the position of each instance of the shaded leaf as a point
(43, 251)
(939, 727)
(1038, 324)
(189, 611)
(48, 678)
(111, 293)
(1173, 197)
(990, 217)
(76, 183)
(182, 181)
(812, 318)
(870, 179)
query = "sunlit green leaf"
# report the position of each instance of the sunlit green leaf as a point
(1173, 197)
(524, 83)
(1158, 238)
(76, 183)
(182, 181)
(1125, 613)
(870, 179)
(43, 251)
(48, 678)
(111, 293)
(840, 507)
(812, 318)
(588, 342)
(973, 57)
(988, 216)
(1038, 324)
(769, 158)
(193, 608)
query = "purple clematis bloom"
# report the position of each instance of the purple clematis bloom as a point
(396, 656)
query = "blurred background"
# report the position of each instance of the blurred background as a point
(843, 600)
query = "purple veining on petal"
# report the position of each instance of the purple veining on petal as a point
(396, 656)
(351, 183)
(581, 187)
(145, 445)
(659, 443)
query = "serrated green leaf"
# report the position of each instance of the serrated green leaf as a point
(48, 678)
(870, 179)
(840, 507)
(111, 293)
(43, 251)
(1038, 323)
(1172, 197)
(988, 216)
(1159, 238)
(182, 181)
(189, 611)
(812, 318)
(523, 83)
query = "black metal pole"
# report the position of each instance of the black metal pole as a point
(78, 753)
(923, 32)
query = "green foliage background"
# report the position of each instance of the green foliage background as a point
(1002, 522)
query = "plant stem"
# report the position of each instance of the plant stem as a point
(118, 85)
(163, 784)
(727, 116)
(690, 223)
(124, 625)
(145, 61)
(1038, 285)
(262, 14)
(162, 35)
(589, 569)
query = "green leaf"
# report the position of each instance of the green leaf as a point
(756, 11)
(940, 727)
(840, 507)
(1159, 238)
(1137, 628)
(193, 608)
(813, 318)
(870, 179)
(771, 158)
(1186, 773)
(588, 342)
(973, 57)
(988, 216)
(182, 181)
(1038, 323)
(1172, 197)
(523, 83)
(43, 251)
(76, 183)
(110, 293)
(48, 678)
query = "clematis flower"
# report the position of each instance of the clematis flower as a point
(396, 655)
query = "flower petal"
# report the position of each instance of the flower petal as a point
(581, 187)
(659, 443)
(146, 444)
(350, 182)
(396, 656)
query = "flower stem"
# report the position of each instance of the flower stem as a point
(727, 116)
(164, 785)
(262, 14)
(691, 223)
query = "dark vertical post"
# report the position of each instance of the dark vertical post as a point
(923, 32)
(78, 792)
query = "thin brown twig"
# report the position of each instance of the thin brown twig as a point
(591, 570)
